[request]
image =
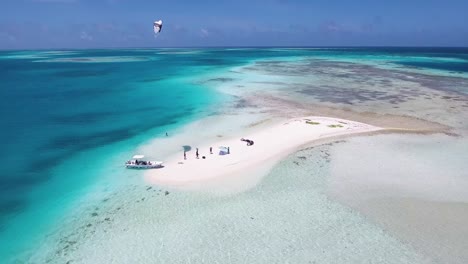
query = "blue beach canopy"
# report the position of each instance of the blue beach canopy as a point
(223, 150)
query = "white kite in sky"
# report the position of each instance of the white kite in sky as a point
(157, 26)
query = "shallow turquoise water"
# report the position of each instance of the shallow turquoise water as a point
(68, 117)
(59, 113)
(287, 218)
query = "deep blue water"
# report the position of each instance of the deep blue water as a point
(56, 106)
(52, 112)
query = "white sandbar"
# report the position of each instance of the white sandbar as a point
(245, 165)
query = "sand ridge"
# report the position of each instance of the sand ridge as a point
(245, 165)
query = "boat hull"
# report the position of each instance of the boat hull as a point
(143, 166)
(154, 165)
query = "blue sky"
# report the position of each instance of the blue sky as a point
(28, 24)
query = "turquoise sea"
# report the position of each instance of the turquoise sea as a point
(69, 117)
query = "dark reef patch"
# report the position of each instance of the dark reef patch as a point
(333, 94)
(221, 79)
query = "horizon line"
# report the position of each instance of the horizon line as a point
(239, 46)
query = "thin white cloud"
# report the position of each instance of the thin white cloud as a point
(85, 36)
(204, 32)
(56, 1)
(7, 37)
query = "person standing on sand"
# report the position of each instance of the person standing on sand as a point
(185, 155)
(197, 153)
(211, 150)
(228, 151)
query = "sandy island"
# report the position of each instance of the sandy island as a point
(245, 165)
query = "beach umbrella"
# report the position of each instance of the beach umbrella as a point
(187, 148)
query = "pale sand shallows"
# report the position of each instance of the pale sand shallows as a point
(245, 165)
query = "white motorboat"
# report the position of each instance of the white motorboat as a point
(138, 162)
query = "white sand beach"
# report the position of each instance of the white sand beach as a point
(245, 165)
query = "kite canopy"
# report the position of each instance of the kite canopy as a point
(157, 26)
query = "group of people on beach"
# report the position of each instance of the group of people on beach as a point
(198, 155)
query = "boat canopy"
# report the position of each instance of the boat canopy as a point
(138, 156)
